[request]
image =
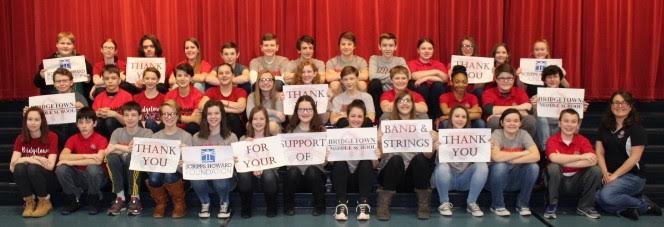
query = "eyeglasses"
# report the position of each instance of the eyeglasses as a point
(305, 110)
(109, 48)
(169, 114)
(467, 46)
(504, 79)
(266, 80)
(405, 101)
(619, 103)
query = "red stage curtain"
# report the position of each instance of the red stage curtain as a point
(606, 44)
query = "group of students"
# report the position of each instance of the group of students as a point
(44, 158)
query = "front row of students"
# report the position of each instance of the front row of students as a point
(573, 165)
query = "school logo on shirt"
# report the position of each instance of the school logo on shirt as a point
(207, 156)
(65, 63)
(93, 146)
(621, 134)
(539, 66)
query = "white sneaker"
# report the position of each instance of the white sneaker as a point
(224, 211)
(445, 209)
(502, 212)
(205, 211)
(475, 210)
(525, 211)
(341, 212)
(363, 211)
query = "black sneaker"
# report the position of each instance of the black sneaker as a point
(73, 206)
(95, 204)
(631, 213)
(653, 208)
(341, 212)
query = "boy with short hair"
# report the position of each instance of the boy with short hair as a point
(108, 103)
(63, 81)
(305, 46)
(270, 61)
(230, 53)
(379, 68)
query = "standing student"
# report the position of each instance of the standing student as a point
(400, 76)
(163, 185)
(347, 44)
(405, 171)
(118, 157)
(305, 119)
(354, 175)
(233, 98)
(305, 48)
(150, 47)
(192, 52)
(109, 51)
(620, 146)
(150, 100)
(265, 94)
(541, 50)
(340, 104)
(258, 127)
(572, 167)
(514, 168)
(108, 104)
(32, 162)
(190, 100)
(65, 48)
(230, 53)
(214, 132)
(461, 176)
(380, 65)
(79, 169)
(270, 61)
(460, 97)
(429, 77)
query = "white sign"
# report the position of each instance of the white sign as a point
(155, 155)
(136, 66)
(531, 69)
(464, 145)
(59, 109)
(352, 144)
(550, 101)
(304, 148)
(259, 154)
(207, 162)
(75, 64)
(479, 69)
(406, 136)
(317, 91)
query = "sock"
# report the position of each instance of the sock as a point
(120, 194)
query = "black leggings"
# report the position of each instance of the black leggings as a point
(267, 182)
(395, 177)
(376, 90)
(315, 181)
(361, 180)
(33, 179)
(236, 124)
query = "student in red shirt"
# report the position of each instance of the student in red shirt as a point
(506, 96)
(233, 98)
(400, 76)
(110, 52)
(190, 100)
(150, 100)
(460, 97)
(108, 104)
(572, 167)
(32, 162)
(79, 169)
(192, 52)
(429, 76)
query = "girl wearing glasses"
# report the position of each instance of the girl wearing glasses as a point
(265, 94)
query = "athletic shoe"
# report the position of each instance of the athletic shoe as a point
(502, 212)
(550, 212)
(341, 212)
(524, 211)
(445, 209)
(474, 209)
(589, 212)
(117, 207)
(363, 210)
(224, 211)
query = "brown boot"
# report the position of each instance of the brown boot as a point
(176, 190)
(43, 207)
(423, 203)
(384, 200)
(160, 198)
(29, 206)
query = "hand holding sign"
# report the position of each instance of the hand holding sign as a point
(155, 155)
(59, 109)
(531, 69)
(464, 145)
(259, 154)
(207, 162)
(352, 144)
(479, 69)
(406, 136)
(305, 148)
(316, 91)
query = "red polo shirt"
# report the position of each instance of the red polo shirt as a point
(391, 95)
(579, 145)
(469, 100)
(516, 96)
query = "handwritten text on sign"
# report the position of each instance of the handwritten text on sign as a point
(155, 155)
(75, 64)
(352, 144)
(136, 66)
(464, 145)
(207, 162)
(479, 69)
(406, 136)
(531, 69)
(259, 154)
(317, 91)
(59, 109)
(550, 101)
(304, 148)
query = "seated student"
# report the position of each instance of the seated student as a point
(462, 176)
(541, 50)
(459, 96)
(339, 108)
(150, 100)
(265, 94)
(79, 169)
(108, 103)
(258, 127)
(514, 168)
(305, 48)
(109, 51)
(572, 167)
(620, 146)
(307, 73)
(214, 132)
(32, 162)
(429, 76)
(354, 175)
(333, 66)
(305, 119)
(161, 185)
(270, 61)
(506, 96)
(65, 44)
(404, 171)
(230, 53)
(233, 98)
(118, 157)
(379, 68)
(150, 47)
(400, 76)
(192, 53)
(190, 100)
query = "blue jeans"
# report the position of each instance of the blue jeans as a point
(472, 179)
(153, 125)
(512, 177)
(479, 123)
(158, 179)
(546, 126)
(618, 195)
(222, 187)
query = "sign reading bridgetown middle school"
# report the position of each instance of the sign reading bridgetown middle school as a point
(59, 109)
(75, 64)
(479, 69)
(317, 91)
(464, 145)
(550, 101)
(259, 154)
(352, 144)
(531, 69)
(207, 162)
(304, 148)
(155, 155)
(406, 136)
(136, 66)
